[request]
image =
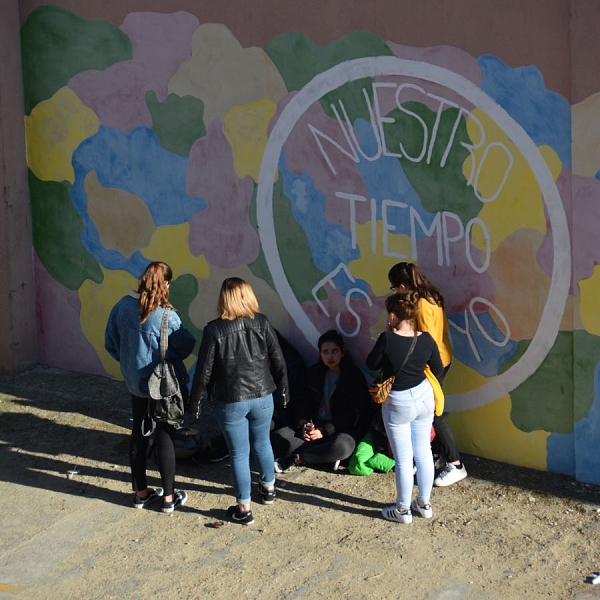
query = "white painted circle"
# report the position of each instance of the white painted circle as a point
(345, 72)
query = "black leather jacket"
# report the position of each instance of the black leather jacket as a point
(238, 360)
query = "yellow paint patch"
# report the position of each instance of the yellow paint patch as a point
(97, 300)
(170, 244)
(245, 127)
(586, 136)
(204, 307)
(373, 266)
(589, 289)
(122, 219)
(53, 130)
(518, 202)
(461, 379)
(223, 74)
(488, 432)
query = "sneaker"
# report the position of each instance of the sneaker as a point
(336, 465)
(267, 496)
(425, 511)
(152, 495)
(180, 498)
(218, 454)
(451, 474)
(283, 464)
(391, 513)
(243, 517)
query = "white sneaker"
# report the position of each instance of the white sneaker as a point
(451, 474)
(425, 511)
(391, 513)
(336, 465)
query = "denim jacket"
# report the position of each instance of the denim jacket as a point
(137, 345)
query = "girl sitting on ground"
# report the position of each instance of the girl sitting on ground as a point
(334, 413)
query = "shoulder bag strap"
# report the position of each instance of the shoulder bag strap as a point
(410, 351)
(164, 335)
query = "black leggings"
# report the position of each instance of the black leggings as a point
(138, 450)
(443, 443)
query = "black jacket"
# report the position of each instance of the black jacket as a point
(238, 360)
(351, 404)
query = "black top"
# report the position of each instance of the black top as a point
(391, 349)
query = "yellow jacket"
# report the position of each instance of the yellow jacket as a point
(432, 319)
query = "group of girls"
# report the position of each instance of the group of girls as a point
(241, 365)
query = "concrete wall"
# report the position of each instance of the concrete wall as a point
(308, 149)
(17, 300)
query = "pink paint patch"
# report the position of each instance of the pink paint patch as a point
(361, 344)
(61, 343)
(222, 231)
(448, 57)
(457, 282)
(303, 155)
(581, 201)
(160, 43)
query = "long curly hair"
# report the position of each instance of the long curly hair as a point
(154, 288)
(409, 276)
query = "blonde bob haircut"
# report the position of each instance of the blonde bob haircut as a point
(236, 300)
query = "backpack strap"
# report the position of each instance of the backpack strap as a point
(164, 335)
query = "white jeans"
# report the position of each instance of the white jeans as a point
(408, 416)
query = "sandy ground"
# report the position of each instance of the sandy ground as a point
(504, 532)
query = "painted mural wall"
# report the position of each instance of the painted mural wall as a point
(309, 171)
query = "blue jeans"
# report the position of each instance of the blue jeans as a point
(246, 425)
(408, 416)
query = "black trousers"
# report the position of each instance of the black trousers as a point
(338, 446)
(138, 449)
(444, 444)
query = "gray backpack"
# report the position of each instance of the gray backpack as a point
(168, 396)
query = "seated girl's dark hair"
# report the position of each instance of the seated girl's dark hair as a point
(332, 336)
(403, 305)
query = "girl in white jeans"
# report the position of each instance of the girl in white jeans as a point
(408, 411)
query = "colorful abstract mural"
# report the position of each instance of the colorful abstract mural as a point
(310, 171)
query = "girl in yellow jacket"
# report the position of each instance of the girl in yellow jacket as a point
(407, 277)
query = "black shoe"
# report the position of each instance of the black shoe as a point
(238, 516)
(179, 499)
(283, 464)
(218, 454)
(267, 496)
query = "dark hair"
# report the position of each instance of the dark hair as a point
(154, 288)
(403, 305)
(332, 336)
(410, 276)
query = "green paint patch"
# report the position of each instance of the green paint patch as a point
(545, 400)
(299, 59)
(178, 121)
(438, 181)
(182, 293)
(56, 229)
(259, 267)
(56, 44)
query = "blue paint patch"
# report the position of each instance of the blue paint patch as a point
(544, 115)
(587, 438)
(560, 451)
(136, 163)
(329, 244)
(491, 356)
(385, 179)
